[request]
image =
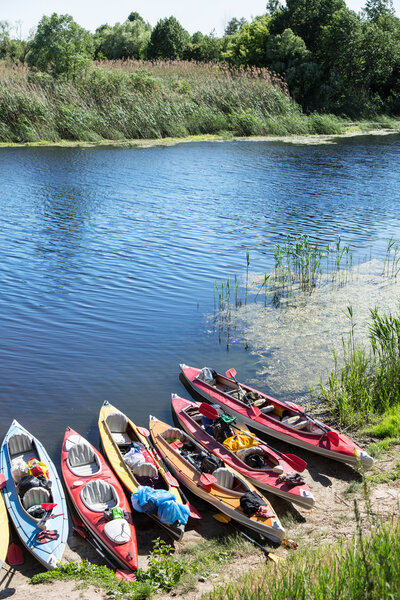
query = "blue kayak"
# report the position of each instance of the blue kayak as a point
(44, 537)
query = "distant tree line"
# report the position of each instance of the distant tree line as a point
(333, 59)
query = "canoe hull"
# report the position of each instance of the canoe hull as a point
(346, 451)
(5, 532)
(50, 553)
(267, 481)
(125, 555)
(221, 498)
(123, 472)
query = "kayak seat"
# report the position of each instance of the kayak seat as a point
(145, 470)
(34, 496)
(98, 495)
(268, 409)
(244, 452)
(19, 443)
(82, 461)
(117, 424)
(225, 478)
(297, 422)
(118, 531)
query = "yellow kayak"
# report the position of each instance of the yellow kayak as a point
(4, 531)
(118, 435)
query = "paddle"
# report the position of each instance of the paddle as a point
(81, 530)
(169, 478)
(207, 480)
(294, 461)
(332, 436)
(15, 556)
(253, 410)
(143, 431)
(48, 507)
(225, 519)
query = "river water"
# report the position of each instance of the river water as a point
(108, 259)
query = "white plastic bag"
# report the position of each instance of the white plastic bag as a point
(18, 469)
(134, 458)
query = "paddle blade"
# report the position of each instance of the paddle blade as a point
(15, 556)
(333, 437)
(170, 479)
(254, 411)
(207, 480)
(274, 557)
(295, 407)
(125, 575)
(48, 506)
(222, 518)
(208, 411)
(194, 513)
(143, 431)
(295, 462)
(231, 373)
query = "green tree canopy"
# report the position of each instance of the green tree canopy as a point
(60, 47)
(123, 40)
(306, 18)
(248, 47)
(203, 48)
(234, 26)
(134, 16)
(168, 40)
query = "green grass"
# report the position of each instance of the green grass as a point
(367, 387)
(97, 576)
(365, 569)
(166, 570)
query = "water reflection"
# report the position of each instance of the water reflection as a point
(108, 259)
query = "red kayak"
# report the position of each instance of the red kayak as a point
(271, 476)
(95, 492)
(285, 421)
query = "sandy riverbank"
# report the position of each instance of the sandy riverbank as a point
(331, 520)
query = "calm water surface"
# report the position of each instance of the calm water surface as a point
(108, 258)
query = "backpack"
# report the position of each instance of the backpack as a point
(222, 431)
(255, 461)
(209, 463)
(250, 502)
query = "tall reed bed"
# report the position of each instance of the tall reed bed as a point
(299, 267)
(136, 100)
(368, 384)
(365, 569)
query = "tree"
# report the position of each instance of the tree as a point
(306, 18)
(60, 47)
(273, 6)
(234, 26)
(168, 40)
(123, 40)
(248, 47)
(374, 9)
(134, 16)
(203, 48)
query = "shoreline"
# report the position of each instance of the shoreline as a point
(150, 143)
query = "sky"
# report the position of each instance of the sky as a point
(203, 15)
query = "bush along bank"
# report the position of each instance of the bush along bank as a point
(158, 100)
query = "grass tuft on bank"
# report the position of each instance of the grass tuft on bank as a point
(365, 568)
